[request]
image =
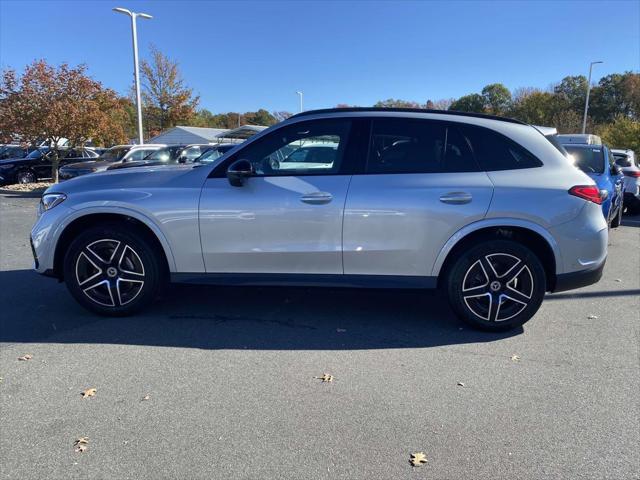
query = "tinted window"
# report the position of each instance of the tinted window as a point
(589, 160)
(622, 160)
(494, 151)
(114, 154)
(306, 148)
(399, 145)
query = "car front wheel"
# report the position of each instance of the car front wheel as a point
(496, 285)
(26, 176)
(113, 270)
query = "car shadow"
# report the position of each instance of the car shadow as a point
(40, 310)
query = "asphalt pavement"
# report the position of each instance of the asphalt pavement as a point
(219, 383)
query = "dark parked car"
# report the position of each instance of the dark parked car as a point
(179, 154)
(37, 165)
(14, 151)
(163, 156)
(115, 156)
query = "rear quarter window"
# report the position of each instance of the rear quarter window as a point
(494, 151)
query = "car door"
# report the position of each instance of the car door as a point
(281, 220)
(420, 186)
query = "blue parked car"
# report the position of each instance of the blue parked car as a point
(598, 162)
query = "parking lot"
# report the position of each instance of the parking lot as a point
(218, 382)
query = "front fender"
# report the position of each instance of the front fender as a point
(495, 222)
(78, 212)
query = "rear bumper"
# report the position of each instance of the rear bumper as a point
(582, 278)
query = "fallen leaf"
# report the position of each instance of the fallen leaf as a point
(26, 357)
(81, 444)
(418, 459)
(145, 398)
(89, 392)
(618, 280)
(325, 377)
(460, 384)
(592, 317)
(515, 358)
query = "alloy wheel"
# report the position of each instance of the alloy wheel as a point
(497, 287)
(110, 272)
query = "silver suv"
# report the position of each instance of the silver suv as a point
(485, 208)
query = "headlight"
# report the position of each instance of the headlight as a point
(50, 200)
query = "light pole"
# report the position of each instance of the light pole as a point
(586, 102)
(300, 95)
(136, 72)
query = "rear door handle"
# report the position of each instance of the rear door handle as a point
(456, 198)
(316, 198)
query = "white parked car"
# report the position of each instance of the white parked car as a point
(630, 164)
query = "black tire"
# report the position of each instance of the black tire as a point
(498, 270)
(615, 223)
(123, 265)
(26, 176)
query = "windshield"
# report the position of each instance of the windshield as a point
(168, 154)
(114, 154)
(624, 160)
(36, 154)
(589, 160)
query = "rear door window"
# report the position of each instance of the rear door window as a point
(400, 145)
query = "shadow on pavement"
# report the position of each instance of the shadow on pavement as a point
(37, 309)
(612, 293)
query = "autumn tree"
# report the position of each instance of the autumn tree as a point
(51, 104)
(623, 132)
(166, 98)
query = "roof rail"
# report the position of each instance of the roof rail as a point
(408, 110)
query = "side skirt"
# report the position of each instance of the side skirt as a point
(308, 280)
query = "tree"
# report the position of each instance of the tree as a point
(167, 100)
(571, 92)
(261, 117)
(393, 103)
(622, 133)
(52, 104)
(616, 94)
(534, 106)
(497, 99)
(283, 115)
(469, 103)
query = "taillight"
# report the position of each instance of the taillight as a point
(632, 173)
(587, 192)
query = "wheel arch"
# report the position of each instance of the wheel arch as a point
(129, 219)
(533, 237)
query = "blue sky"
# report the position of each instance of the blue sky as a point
(248, 55)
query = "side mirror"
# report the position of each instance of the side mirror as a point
(616, 170)
(239, 171)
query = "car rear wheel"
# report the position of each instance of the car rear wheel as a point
(26, 176)
(113, 271)
(496, 285)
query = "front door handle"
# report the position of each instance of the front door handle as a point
(316, 198)
(456, 198)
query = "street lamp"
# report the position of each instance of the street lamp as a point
(300, 95)
(136, 72)
(586, 102)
